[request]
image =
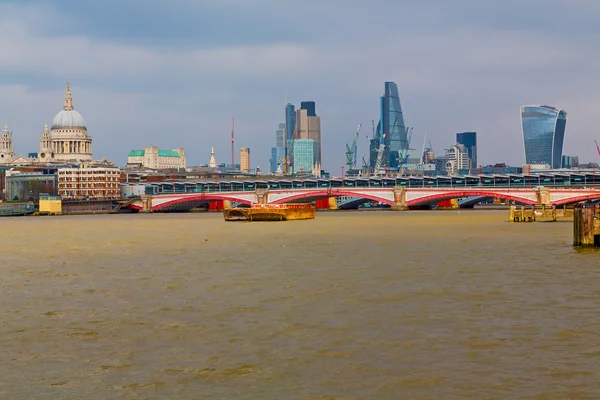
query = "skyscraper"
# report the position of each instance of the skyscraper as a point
(390, 130)
(305, 151)
(278, 152)
(309, 126)
(543, 130)
(309, 106)
(290, 122)
(469, 140)
(245, 159)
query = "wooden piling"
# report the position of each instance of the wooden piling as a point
(586, 228)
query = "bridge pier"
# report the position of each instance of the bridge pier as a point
(146, 203)
(262, 196)
(399, 199)
(542, 195)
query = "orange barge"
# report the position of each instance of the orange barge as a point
(271, 212)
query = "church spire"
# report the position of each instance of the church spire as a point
(68, 98)
(213, 161)
(5, 130)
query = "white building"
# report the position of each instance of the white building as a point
(457, 159)
(89, 183)
(153, 158)
(68, 140)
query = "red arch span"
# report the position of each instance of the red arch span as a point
(199, 197)
(576, 199)
(320, 194)
(465, 193)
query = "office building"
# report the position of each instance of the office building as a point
(89, 183)
(153, 158)
(278, 152)
(245, 160)
(305, 152)
(469, 140)
(457, 160)
(391, 130)
(543, 129)
(308, 125)
(290, 123)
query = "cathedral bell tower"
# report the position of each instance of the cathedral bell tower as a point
(6, 148)
(46, 153)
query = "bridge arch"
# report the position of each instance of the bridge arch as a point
(321, 194)
(200, 198)
(435, 198)
(576, 199)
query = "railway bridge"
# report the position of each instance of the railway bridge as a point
(398, 197)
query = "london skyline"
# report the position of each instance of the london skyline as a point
(460, 67)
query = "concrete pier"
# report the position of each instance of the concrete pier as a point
(586, 225)
(538, 213)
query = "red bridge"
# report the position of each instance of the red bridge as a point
(399, 197)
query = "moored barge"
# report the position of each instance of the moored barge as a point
(271, 212)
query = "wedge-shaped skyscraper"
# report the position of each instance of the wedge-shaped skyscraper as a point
(543, 134)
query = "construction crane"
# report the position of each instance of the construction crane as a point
(597, 147)
(380, 152)
(403, 157)
(287, 159)
(351, 151)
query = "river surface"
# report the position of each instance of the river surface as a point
(351, 305)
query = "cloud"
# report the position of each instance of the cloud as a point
(174, 76)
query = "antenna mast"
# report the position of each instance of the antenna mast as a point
(232, 141)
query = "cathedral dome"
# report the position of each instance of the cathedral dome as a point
(68, 117)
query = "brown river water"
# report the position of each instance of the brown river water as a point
(351, 305)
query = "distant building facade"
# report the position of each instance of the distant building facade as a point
(570, 162)
(543, 129)
(469, 140)
(153, 158)
(278, 152)
(457, 159)
(89, 183)
(305, 152)
(309, 126)
(26, 184)
(245, 159)
(290, 123)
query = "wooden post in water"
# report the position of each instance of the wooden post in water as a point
(511, 213)
(584, 230)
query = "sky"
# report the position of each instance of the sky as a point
(173, 73)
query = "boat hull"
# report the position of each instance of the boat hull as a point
(10, 209)
(271, 212)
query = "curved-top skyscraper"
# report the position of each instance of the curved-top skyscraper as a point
(543, 134)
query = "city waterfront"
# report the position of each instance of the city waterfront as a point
(350, 305)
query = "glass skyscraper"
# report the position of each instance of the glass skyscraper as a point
(305, 153)
(469, 140)
(543, 134)
(290, 122)
(278, 152)
(390, 129)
